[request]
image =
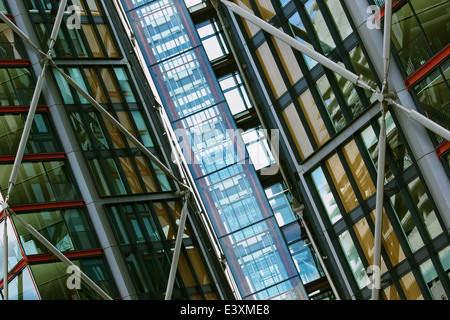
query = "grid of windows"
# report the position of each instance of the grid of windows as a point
(313, 106)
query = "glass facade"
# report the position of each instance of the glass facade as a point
(335, 159)
(46, 194)
(179, 57)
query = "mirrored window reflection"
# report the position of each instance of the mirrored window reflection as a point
(67, 230)
(331, 103)
(288, 60)
(390, 241)
(353, 259)
(434, 94)
(41, 139)
(326, 195)
(306, 261)
(16, 87)
(341, 182)
(323, 34)
(299, 32)
(359, 169)
(432, 280)
(22, 287)
(408, 224)
(51, 280)
(40, 182)
(340, 19)
(425, 209)
(14, 250)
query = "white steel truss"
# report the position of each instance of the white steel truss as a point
(47, 62)
(385, 99)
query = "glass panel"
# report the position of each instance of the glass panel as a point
(259, 255)
(280, 202)
(314, 118)
(426, 212)
(41, 139)
(434, 94)
(94, 44)
(407, 222)
(410, 287)
(40, 182)
(146, 174)
(125, 85)
(300, 33)
(142, 129)
(325, 195)
(107, 39)
(287, 57)
(340, 19)
(235, 93)
(110, 85)
(341, 182)
(198, 266)
(306, 262)
(396, 144)
(175, 211)
(361, 66)
(164, 220)
(94, 82)
(114, 176)
(370, 140)
(434, 284)
(390, 240)
(130, 174)
(331, 103)
(353, 259)
(297, 131)
(149, 222)
(76, 75)
(431, 14)
(16, 87)
(100, 180)
(318, 22)
(49, 224)
(212, 38)
(64, 88)
(22, 287)
(359, 169)
(14, 250)
(271, 70)
(366, 241)
(390, 293)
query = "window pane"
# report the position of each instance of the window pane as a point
(326, 196)
(359, 169)
(353, 259)
(426, 212)
(271, 70)
(410, 287)
(125, 84)
(94, 82)
(331, 103)
(297, 131)
(313, 117)
(146, 174)
(94, 44)
(407, 222)
(108, 42)
(341, 182)
(131, 175)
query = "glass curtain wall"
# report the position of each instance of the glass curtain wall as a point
(314, 106)
(241, 216)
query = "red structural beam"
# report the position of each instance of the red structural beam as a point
(427, 67)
